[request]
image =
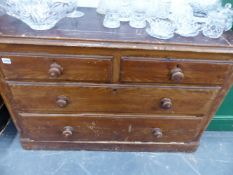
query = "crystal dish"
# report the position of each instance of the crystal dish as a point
(39, 14)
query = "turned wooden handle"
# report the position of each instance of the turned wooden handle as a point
(166, 103)
(62, 101)
(157, 133)
(55, 70)
(67, 131)
(177, 74)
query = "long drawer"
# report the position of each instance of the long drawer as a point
(54, 127)
(173, 71)
(80, 98)
(57, 68)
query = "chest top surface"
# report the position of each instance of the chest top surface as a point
(88, 31)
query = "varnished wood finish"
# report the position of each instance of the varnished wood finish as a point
(112, 99)
(146, 70)
(110, 146)
(57, 68)
(88, 87)
(111, 128)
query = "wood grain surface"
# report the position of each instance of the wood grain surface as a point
(158, 70)
(83, 98)
(110, 128)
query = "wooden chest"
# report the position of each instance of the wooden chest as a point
(81, 86)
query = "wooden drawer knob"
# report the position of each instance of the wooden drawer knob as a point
(177, 74)
(166, 103)
(67, 131)
(55, 70)
(62, 101)
(157, 133)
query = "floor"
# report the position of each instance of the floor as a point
(214, 157)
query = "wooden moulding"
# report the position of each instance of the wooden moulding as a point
(108, 146)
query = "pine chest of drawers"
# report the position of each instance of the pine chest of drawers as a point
(81, 86)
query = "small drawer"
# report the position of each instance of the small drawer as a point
(110, 128)
(173, 71)
(57, 67)
(80, 98)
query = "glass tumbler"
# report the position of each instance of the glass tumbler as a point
(138, 15)
(125, 10)
(215, 25)
(112, 16)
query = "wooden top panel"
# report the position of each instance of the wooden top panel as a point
(88, 31)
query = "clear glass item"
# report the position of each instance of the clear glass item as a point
(184, 20)
(112, 16)
(161, 28)
(138, 15)
(102, 7)
(39, 14)
(215, 25)
(228, 13)
(203, 7)
(152, 8)
(164, 8)
(125, 10)
(76, 13)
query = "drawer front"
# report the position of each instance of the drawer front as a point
(112, 99)
(58, 67)
(101, 128)
(174, 71)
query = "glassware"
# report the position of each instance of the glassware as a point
(161, 28)
(215, 25)
(39, 14)
(138, 15)
(125, 10)
(76, 13)
(185, 22)
(112, 16)
(228, 13)
(202, 7)
(166, 17)
(153, 8)
(164, 8)
(101, 9)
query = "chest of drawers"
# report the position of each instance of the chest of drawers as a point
(93, 88)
